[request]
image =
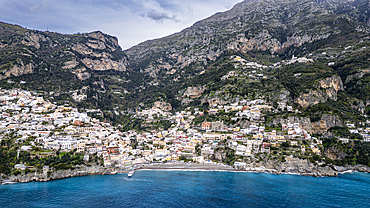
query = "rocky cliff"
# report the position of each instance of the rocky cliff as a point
(60, 174)
(25, 51)
(252, 25)
(304, 122)
(318, 127)
(19, 69)
(291, 165)
(327, 89)
(162, 105)
(194, 92)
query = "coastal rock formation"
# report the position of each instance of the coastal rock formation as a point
(360, 168)
(60, 174)
(291, 165)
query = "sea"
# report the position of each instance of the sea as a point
(149, 188)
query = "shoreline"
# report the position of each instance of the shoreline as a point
(98, 170)
(186, 166)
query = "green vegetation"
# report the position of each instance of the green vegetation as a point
(352, 153)
(8, 158)
(310, 73)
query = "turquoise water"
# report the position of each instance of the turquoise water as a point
(192, 189)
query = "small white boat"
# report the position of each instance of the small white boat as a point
(8, 182)
(131, 173)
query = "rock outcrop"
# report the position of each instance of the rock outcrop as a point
(215, 100)
(81, 74)
(194, 92)
(325, 123)
(162, 105)
(84, 50)
(249, 26)
(33, 39)
(291, 165)
(334, 153)
(263, 41)
(311, 98)
(60, 174)
(359, 106)
(304, 122)
(332, 85)
(18, 70)
(105, 64)
(358, 75)
(328, 88)
(70, 64)
(45, 51)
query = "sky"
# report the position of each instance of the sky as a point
(132, 21)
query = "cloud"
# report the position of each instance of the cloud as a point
(160, 16)
(39, 7)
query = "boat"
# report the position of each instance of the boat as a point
(131, 173)
(8, 182)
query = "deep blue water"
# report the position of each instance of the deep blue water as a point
(192, 189)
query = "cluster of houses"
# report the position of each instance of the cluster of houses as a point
(364, 132)
(244, 64)
(42, 128)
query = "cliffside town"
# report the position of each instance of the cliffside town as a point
(268, 86)
(37, 128)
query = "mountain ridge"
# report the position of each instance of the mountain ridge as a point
(208, 38)
(286, 48)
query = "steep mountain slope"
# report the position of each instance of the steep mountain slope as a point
(271, 26)
(84, 70)
(48, 54)
(311, 55)
(267, 32)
